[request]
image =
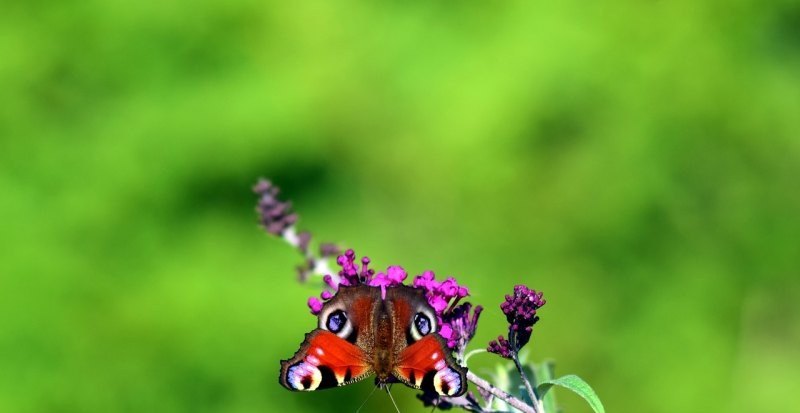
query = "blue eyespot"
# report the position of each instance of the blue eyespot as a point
(336, 321)
(422, 323)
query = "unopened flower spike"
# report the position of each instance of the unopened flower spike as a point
(520, 310)
(277, 218)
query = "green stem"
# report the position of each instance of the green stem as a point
(515, 356)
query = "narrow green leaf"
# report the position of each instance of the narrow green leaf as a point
(577, 385)
(472, 353)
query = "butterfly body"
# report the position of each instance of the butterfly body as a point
(364, 330)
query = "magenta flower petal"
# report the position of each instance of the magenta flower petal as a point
(393, 276)
(438, 303)
(424, 280)
(446, 331)
(396, 273)
(463, 291)
(366, 273)
(380, 280)
(449, 287)
(315, 305)
(329, 280)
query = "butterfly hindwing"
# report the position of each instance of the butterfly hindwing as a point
(428, 365)
(324, 360)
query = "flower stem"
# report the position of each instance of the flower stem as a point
(522, 375)
(511, 400)
(527, 383)
(318, 264)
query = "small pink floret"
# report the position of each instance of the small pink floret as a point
(315, 305)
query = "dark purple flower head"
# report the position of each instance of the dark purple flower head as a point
(501, 347)
(274, 215)
(520, 310)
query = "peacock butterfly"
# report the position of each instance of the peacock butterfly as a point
(362, 331)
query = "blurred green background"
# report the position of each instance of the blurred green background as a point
(637, 161)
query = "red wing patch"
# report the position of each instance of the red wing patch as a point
(428, 365)
(324, 360)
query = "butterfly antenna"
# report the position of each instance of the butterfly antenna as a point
(367, 399)
(392, 399)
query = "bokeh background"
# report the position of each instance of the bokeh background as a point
(637, 161)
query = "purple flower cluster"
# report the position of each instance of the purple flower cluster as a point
(501, 347)
(462, 322)
(275, 215)
(351, 274)
(457, 323)
(440, 294)
(520, 310)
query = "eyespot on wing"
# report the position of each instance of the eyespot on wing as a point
(428, 365)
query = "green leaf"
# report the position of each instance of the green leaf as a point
(577, 385)
(546, 373)
(523, 356)
(502, 380)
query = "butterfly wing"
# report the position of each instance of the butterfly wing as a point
(324, 360)
(428, 365)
